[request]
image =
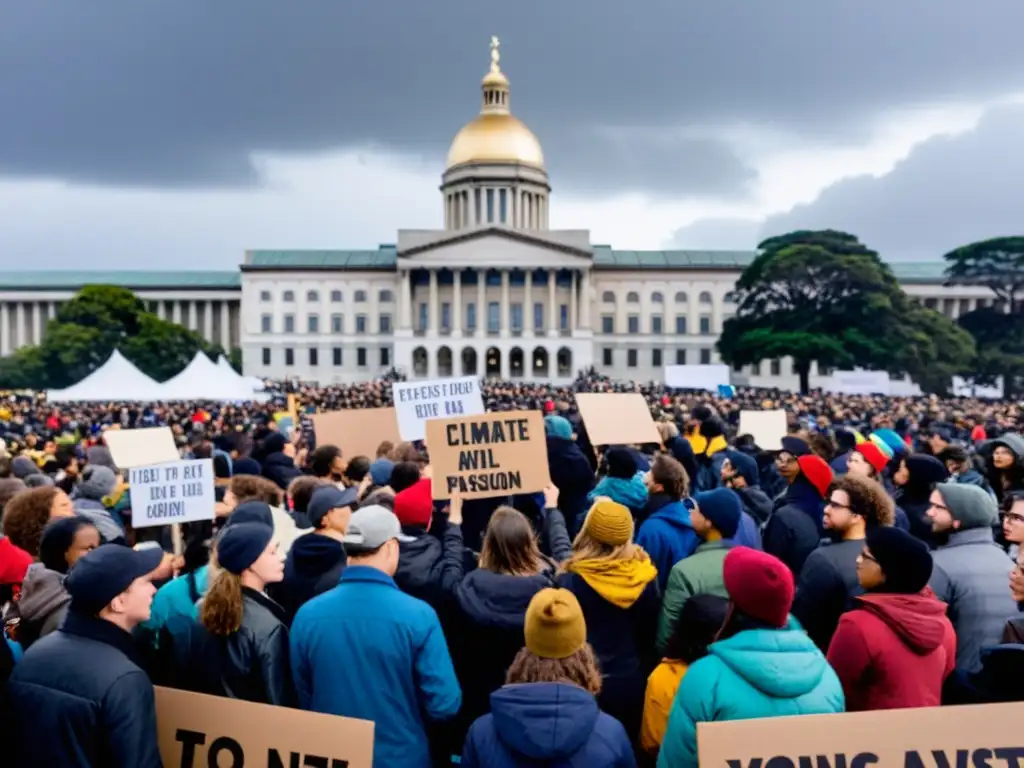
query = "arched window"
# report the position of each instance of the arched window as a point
(288, 296)
(385, 296)
(705, 297)
(632, 297)
(312, 296)
(657, 298)
(608, 297)
(360, 296)
(682, 298)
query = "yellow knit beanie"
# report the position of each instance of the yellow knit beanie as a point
(609, 523)
(554, 626)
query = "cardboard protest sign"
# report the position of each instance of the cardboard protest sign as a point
(198, 730)
(617, 418)
(983, 735)
(357, 431)
(767, 428)
(139, 447)
(175, 492)
(495, 454)
(417, 402)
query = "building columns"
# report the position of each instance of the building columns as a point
(405, 301)
(5, 329)
(506, 319)
(528, 327)
(585, 300)
(456, 318)
(552, 305)
(208, 321)
(20, 327)
(481, 304)
(432, 325)
(225, 325)
(573, 298)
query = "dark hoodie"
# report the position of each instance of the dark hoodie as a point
(428, 569)
(489, 614)
(314, 565)
(546, 724)
(913, 497)
(893, 651)
(572, 474)
(794, 529)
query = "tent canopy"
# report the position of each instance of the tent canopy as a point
(204, 380)
(116, 380)
(254, 384)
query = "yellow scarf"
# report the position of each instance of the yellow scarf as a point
(620, 582)
(702, 447)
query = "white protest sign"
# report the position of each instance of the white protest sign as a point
(174, 492)
(139, 447)
(766, 427)
(706, 377)
(860, 383)
(416, 402)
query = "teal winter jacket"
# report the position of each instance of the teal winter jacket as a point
(754, 673)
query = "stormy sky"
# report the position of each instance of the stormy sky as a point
(147, 133)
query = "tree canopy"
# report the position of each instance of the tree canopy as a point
(824, 296)
(997, 264)
(86, 331)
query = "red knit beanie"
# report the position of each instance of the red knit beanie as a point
(872, 455)
(414, 505)
(759, 585)
(817, 472)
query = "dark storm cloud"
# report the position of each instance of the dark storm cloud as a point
(179, 93)
(948, 192)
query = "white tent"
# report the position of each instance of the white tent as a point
(203, 380)
(115, 381)
(255, 384)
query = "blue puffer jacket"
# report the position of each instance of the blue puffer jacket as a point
(546, 723)
(667, 536)
(754, 673)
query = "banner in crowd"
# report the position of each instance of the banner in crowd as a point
(706, 377)
(175, 492)
(617, 418)
(417, 402)
(494, 454)
(766, 427)
(860, 383)
(139, 447)
(357, 431)
(198, 730)
(942, 737)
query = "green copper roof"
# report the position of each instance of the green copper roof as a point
(141, 279)
(381, 258)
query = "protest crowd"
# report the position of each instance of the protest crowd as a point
(864, 556)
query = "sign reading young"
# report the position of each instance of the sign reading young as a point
(175, 492)
(417, 402)
(495, 454)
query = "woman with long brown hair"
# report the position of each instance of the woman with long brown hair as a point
(547, 711)
(491, 603)
(239, 646)
(616, 583)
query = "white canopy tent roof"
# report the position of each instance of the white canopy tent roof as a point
(204, 380)
(116, 380)
(254, 383)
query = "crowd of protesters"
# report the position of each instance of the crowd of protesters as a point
(872, 563)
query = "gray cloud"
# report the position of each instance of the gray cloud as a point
(179, 93)
(950, 191)
(718, 234)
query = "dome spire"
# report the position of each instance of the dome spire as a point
(495, 84)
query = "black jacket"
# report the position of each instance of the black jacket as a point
(791, 535)
(572, 474)
(755, 503)
(281, 469)
(314, 565)
(80, 699)
(251, 664)
(429, 569)
(826, 588)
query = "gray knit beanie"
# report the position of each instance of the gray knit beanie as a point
(97, 481)
(972, 506)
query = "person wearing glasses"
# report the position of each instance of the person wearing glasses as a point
(1013, 523)
(896, 648)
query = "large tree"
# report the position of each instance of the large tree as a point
(88, 328)
(824, 296)
(996, 264)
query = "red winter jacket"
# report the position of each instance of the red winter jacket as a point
(13, 564)
(893, 651)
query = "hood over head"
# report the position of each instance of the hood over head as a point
(782, 663)
(313, 555)
(919, 621)
(42, 592)
(544, 721)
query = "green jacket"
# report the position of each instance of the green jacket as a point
(698, 574)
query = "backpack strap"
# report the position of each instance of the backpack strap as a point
(193, 587)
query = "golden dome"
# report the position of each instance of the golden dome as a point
(496, 138)
(495, 135)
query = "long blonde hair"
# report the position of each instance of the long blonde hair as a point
(586, 547)
(510, 546)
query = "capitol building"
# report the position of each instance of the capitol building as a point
(495, 292)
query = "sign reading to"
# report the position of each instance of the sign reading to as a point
(175, 492)
(418, 402)
(495, 454)
(932, 737)
(198, 730)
